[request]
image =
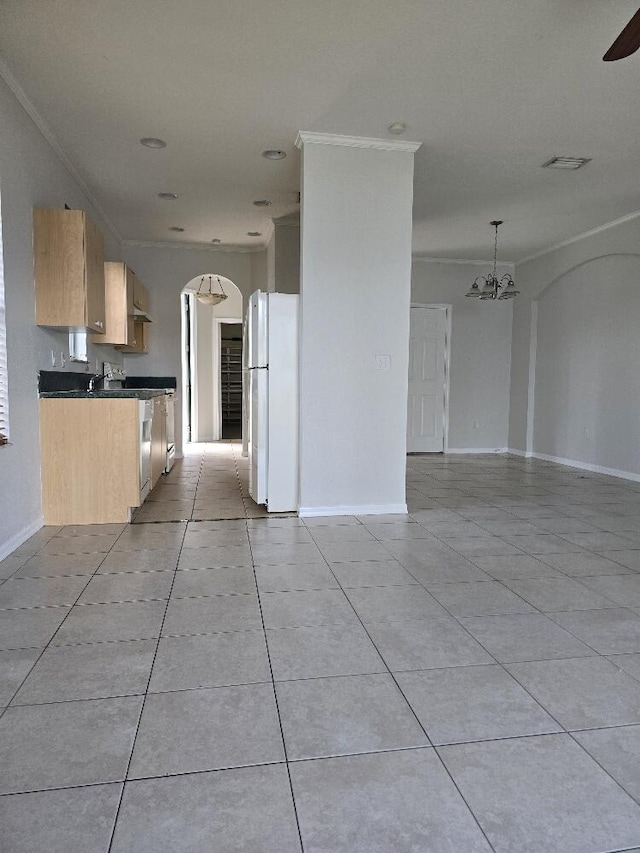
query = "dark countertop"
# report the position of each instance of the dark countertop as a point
(136, 393)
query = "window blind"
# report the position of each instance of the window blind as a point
(4, 379)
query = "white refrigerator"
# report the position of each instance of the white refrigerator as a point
(271, 379)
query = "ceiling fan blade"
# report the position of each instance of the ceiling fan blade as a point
(627, 42)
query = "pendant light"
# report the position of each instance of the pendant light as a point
(208, 296)
(490, 286)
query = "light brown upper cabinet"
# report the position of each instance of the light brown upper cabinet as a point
(138, 337)
(140, 298)
(138, 320)
(118, 294)
(69, 270)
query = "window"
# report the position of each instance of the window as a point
(4, 384)
(78, 345)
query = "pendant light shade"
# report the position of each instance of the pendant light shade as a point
(209, 296)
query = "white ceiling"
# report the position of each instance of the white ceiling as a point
(493, 88)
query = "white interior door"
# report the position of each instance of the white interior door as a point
(427, 360)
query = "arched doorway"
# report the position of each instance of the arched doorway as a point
(211, 359)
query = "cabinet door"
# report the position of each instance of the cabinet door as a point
(94, 277)
(59, 267)
(137, 336)
(140, 295)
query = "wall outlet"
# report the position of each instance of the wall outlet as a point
(587, 432)
(383, 362)
(476, 423)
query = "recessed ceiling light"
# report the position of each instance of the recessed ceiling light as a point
(274, 154)
(397, 128)
(566, 162)
(177, 228)
(254, 233)
(153, 142)
(262, 202)
(216, 240)
(168, 196)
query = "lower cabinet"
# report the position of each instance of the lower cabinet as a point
(90, 459)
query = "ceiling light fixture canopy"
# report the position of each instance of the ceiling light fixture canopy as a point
(208, 296)
(490, 286)
(153, 142)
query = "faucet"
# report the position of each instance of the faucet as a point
(96, 378)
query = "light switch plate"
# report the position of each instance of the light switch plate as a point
(383, 362)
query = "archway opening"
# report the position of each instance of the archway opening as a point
(211, 360)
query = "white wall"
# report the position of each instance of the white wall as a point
(587, 386)
(586, 360)
(31, 175)
(165, 271)
(355, 294)
(287, 257)
(479, 353)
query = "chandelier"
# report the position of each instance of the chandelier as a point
(208, 296)
(490, 286)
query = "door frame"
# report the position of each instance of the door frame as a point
(217, 368)
(447, 348)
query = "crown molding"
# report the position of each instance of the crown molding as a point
(591, 233)
(197, 247)
(428, 259)
(307, 136)
(47, 133)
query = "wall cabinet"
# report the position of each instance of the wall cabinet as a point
(140, 296)
(138, 337)
(118, 295)
(90, 459)
(69, 270)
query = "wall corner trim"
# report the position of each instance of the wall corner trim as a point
(578, 237)
(581, 466)
(27, 105)
(362, 509)
(307, 136)
(200, 247)
(476, 451)
(10, 545)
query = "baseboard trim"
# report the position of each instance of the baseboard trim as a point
(575, 463)
(20, 538)
(360, 509)
(475, 450)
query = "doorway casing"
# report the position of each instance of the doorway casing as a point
(447, 308)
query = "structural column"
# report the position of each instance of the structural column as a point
(355, 285)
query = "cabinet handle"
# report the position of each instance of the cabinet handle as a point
(99, 324)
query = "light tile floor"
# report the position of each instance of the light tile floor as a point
(465, 678)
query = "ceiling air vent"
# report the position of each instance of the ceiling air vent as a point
(566, 162)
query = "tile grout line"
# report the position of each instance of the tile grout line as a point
(275, 693)
(69, 609)
(408, 704)
(142, 705)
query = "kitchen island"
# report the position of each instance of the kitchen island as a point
(97, 449)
